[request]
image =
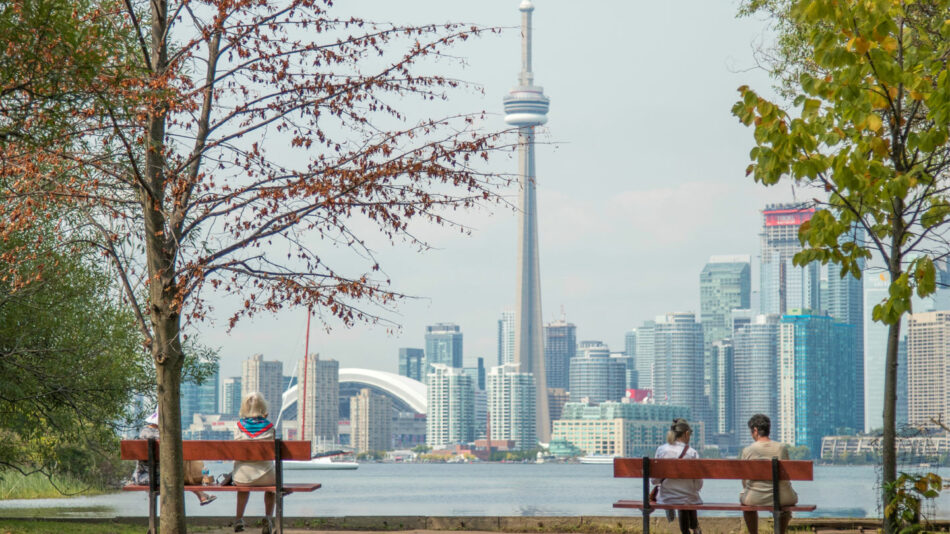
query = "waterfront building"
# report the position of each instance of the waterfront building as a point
(199, 398)
(443, 345)
(817, 383)
(450, 407)
(210, 426)
(506, 337)
(265, 377)
(645, 355)
(784, 286)
(901, 416)
(319, 409)
(928, 372)
(678, 363)
(371, 418)
(595, 375)
(511, 405)
(843, 300)
(412, 363)
(480, 398)
(620, 428)
(725, 284)
(526, 108)
(920, 448)
(231, 392)
(755, 367)
(409, 430)
(560, 345)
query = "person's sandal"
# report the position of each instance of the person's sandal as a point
(268, 526)
(208, 500)
(239, 525)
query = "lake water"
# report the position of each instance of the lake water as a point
(489, 489)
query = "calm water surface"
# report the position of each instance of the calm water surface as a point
(476, 490)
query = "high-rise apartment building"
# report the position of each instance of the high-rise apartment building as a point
(645, 354)
(412, 363)
(477, 372)
(596, 376)
(265, 377)
(630, 349)
(928, 367)
(630, 370)
(371, 418)
(678, 363)
(817, 384)
(557, 398)
(511, 405)
(450, 411)
(755, 367)
(231, 392)
(443, 345)
(560, 345)
(201, 398)
(783, 286)
(319, 404)
(875, 353)
(506, 337)
(620, 429)
(723, 405)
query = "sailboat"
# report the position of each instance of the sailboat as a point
(321, 460)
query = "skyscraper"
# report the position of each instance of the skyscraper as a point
(319, 408)
(724, 403)
(755, 365)
(201, 399)
(412, 363)
(506, 337)
(595, 375)
(231, 389)
(477, 372)
(560, 345)
(443, 345)
(511, 405)
(783, 286)
(725, 284)
(450, 410)
(928, 372)
(817, 385)
(526, 107)
(265, 377)
(645, 355)
(678, 363)
(875, 353)
(630, 349)
(371, 418)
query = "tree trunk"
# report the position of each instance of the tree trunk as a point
(172, 474)
(889, 441)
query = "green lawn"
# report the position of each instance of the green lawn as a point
(21, 526)
(38, 486)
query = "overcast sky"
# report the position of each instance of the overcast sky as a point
(641, 179)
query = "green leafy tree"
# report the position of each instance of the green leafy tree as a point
(868, 128)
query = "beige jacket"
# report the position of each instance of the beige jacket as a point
(249, 473)
(759, 492)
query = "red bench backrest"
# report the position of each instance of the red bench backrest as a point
(715, 469)
(245, 451)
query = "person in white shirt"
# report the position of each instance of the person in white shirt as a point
(676, 490)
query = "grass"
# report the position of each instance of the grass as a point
(37, 486)
(26, 526)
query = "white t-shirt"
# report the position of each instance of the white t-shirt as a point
(678, 490)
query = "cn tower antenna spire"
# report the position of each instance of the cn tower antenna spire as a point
(526, 107)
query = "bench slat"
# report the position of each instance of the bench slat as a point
(288, 488)
(246, 451)
(713, 469)
(714, 506)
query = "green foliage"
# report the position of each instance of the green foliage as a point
(40, 486)
(909, 491)
(799, 452)
(371, 455)
(422, 448)
(70, 360)
(32, 526)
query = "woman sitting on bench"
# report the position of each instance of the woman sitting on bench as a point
(679, 491)
(255, 426)
(759, 492)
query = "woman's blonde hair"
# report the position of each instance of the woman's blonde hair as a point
(678, 429)
(254, 405)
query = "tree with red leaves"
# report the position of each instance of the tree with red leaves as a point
(226, 145)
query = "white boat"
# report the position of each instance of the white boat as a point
(596, 459)
(319, 463)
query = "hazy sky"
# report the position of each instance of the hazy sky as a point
(641, 179)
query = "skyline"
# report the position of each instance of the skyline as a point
(668, 194)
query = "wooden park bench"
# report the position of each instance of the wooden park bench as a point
(227, 450)
(774, 470)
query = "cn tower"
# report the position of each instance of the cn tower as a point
(527, 107)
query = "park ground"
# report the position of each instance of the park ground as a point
(472, 525)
